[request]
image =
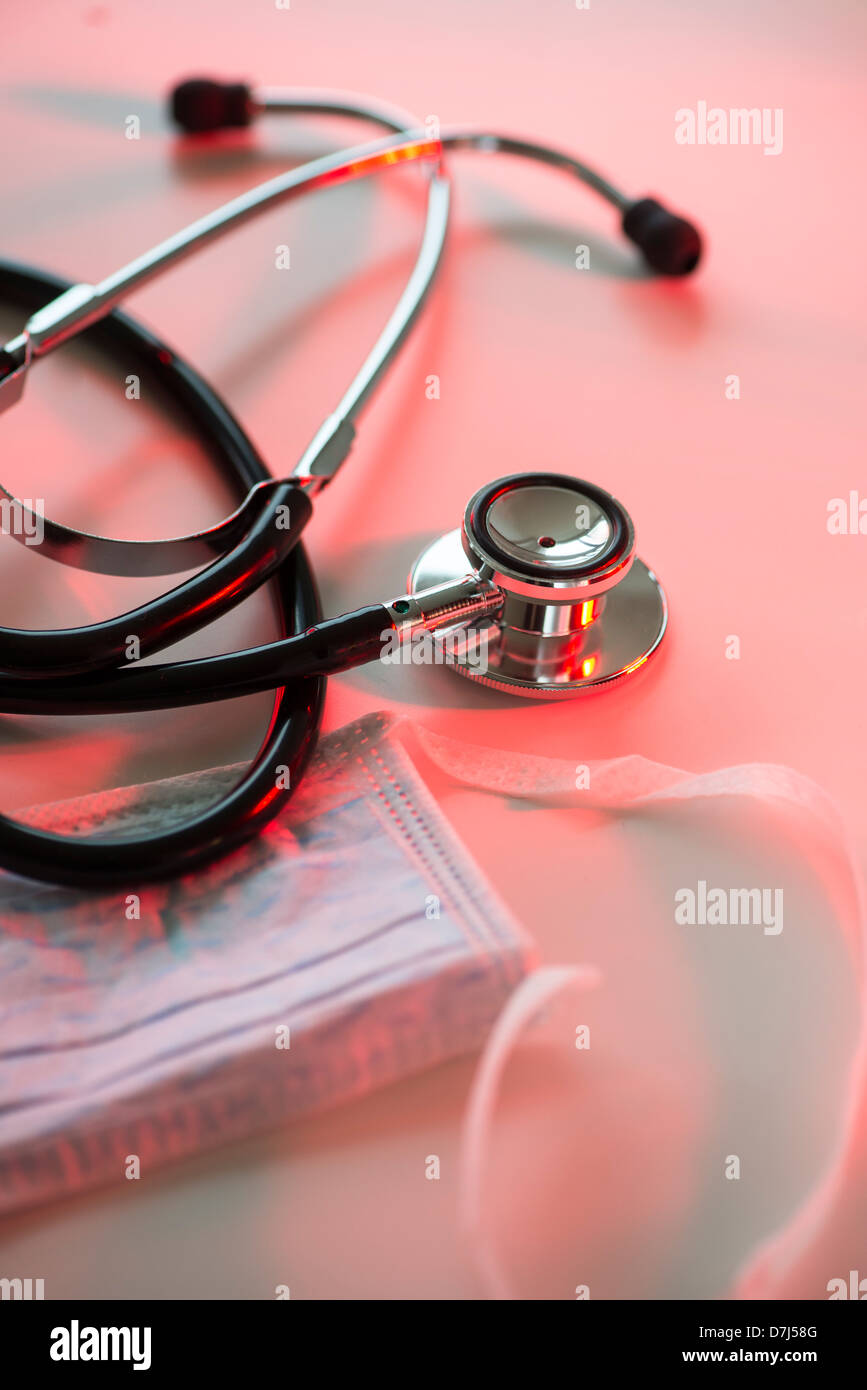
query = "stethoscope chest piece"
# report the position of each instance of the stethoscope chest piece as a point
(579, 611)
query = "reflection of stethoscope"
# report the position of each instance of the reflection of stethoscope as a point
(542, 576)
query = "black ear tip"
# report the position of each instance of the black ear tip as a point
(670, 244)
(201, 104)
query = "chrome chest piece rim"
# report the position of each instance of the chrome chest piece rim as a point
(580, 610)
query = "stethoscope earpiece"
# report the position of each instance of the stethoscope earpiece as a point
(579, 609)
(670, 245)
(201, 105)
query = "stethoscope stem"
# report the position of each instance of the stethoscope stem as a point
(325, 648)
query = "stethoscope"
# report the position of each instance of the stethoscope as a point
(539, 592)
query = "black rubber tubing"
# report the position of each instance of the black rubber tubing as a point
(102, 862)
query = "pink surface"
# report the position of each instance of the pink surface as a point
(603, 374)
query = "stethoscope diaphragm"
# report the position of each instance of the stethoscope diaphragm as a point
(580, 610)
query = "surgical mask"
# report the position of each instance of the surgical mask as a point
(352, 944)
